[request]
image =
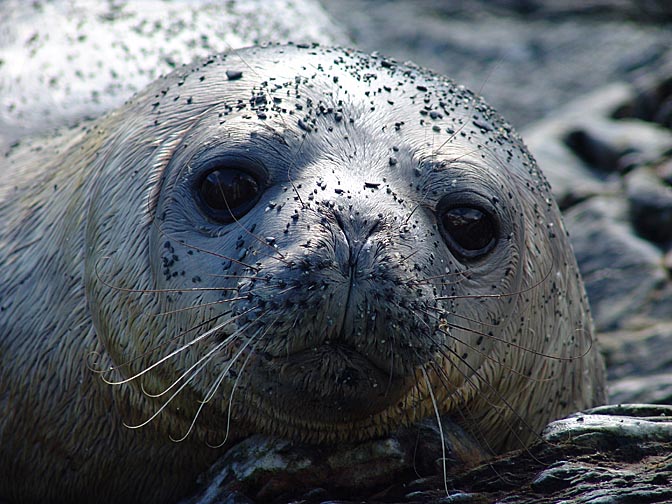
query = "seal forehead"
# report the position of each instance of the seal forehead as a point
(390, 111)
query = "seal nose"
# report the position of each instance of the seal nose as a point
(358, 236)
(362, 266)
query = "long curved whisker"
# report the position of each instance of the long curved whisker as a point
(171, 354)
(203, 363)
(208, 355)
(440, 426)
(211, 392)
(505, 402)
(515, 345)
(160, 345)
(501, 295)
(196, 248)
(431, 279)
(235, 385)
(462, 317)
(223, 301)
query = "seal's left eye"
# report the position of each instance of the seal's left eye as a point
(226, 194)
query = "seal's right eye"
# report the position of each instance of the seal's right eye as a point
(469, 231)
(226, 194)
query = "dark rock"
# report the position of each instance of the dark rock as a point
(664, 171)
(265, 469)
(617, 146)
(573, 178)
(593, 151)
(610, 454)
(638, 352)
(650, 205)
(652, 97)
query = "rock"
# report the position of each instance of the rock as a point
(610, 454)
(553, 143)
(264, 469)
(621, 271)
(664, 171)
(638, 352)
(650, 205)
(651, 389)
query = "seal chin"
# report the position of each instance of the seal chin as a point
(335, 382)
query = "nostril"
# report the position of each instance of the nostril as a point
(339, 221)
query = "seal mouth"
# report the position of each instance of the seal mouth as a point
(336, 382)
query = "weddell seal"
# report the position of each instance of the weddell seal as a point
(307, 242)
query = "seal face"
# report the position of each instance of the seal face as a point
(306, 242)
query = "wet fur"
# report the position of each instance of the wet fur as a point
(107, 267)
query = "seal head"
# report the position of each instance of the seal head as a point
(337, 233)
(306, 242)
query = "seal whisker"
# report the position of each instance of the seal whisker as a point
(486, 355)
(229, 409)
(157, 291)
(256, 290)
(171, 354)
(439, 424)
(155, 348)
(462, 408)
(444, 324)
(218, 381)
(235, 384)
(446, 312)
(195, 307)
(431, 279)
(230, 338)
(203, 363)
(496, 360)
(500, 295)
(505, 403)
(206, 251)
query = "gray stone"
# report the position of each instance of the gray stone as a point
(274, 470)
(571, 178)
(651, 389)
(650, 205)
(621, 271)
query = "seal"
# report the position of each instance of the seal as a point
(307, 242)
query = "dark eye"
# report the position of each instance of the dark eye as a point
(226, 194)
(469, 231)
